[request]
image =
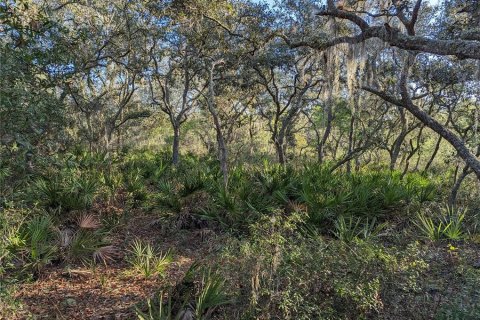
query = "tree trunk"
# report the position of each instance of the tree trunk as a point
(222, 152)
(394, 157)
(434, 154)
(470, 159)
(326, 134)
(350, 142)
(222, 148)
(413, 151)
(452, 199)
(176, 145)
(252, 136)
(108, 137)
(280, 152)
(397, 146)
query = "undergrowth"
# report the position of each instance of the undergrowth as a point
(299, 242)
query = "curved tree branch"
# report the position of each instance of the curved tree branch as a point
(460, 48)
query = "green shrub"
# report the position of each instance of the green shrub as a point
(446, 225)
(11, 220)
(211, 296)
(112, 182)
(168, 197)
(349, 229)
(39, 241)
(189, 299)
(84, 244)
(284, 273)
(275, 180)
(85, 241)
(328, 195)
(420, 187)
(66, 190)
(430, 228)
(37, 247)
(135, 186)
(145, 260)
(158, 311)
(192, 181)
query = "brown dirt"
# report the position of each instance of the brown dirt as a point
(110, 292)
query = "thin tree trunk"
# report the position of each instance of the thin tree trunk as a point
(393, 158)
(108, 137)
(176, 145)
(397, 146)
(119, 140)
(413, 151)
(222, 148)
(222, 151)
(452, 199)
(434, 154)
(407, 162)
(418, 161)
(252, 136)
(350, 142)
(326, 134)
(357, 164)
(279, 148)
(470, 159)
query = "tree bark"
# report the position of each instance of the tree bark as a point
(279, 148)
(326, 133)
(397, 145)
(434, 154)
(395, 152)
(222, 148)
(413, 151)
(452, 199)
(350, 141)
(176, 145)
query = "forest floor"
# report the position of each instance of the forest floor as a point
(265, 262)
(110, 291)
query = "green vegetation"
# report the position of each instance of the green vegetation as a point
(146, 261)
(351, 245)
(194, 159)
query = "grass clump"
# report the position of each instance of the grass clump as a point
(145, 260)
